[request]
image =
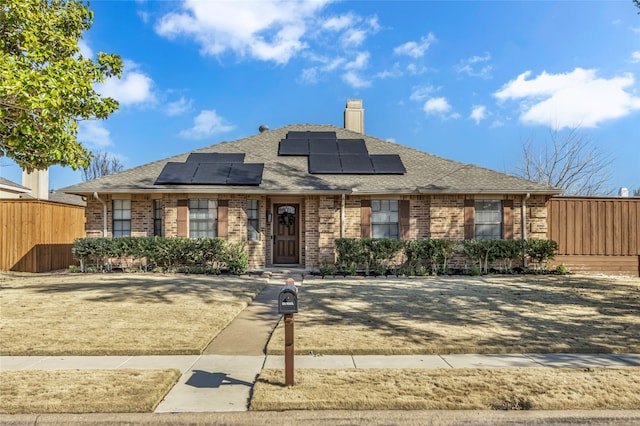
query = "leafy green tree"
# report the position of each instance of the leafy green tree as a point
(46, 85)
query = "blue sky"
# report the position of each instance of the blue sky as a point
(469, 81)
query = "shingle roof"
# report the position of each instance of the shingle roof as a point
(426, 173)
(9, 185)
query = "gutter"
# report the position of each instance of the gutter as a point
(524, 224)
(104, 214)
(343, 215)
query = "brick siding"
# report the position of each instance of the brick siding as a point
(436, 216)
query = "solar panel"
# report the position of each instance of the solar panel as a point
(245, 174)
(387, 164)
(322, 135)
(352, 146)
(311, 135)
(208, 173)
(293, 147)
(176, 173)
(211, 174)
(324, 163)
(215, 157)
(323, 146)
(356, 164)
(297, 135)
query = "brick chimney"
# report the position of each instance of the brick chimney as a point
(354, 116)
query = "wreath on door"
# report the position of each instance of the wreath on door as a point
(286, 219)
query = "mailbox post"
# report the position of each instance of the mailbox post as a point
(288, 350)
(288, 305)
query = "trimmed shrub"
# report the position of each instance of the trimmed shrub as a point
(209, 255)
(482, 252)
(541, 252)
(237, 258)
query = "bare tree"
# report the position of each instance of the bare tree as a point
(102, 164)
(569, 161)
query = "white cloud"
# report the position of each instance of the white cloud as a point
(144, 16)
(415, 49)
(333, 64)
(208, 123)
(394, 72)
(484, 58)
(85, 49)
(635, 57)
(421, 93)
(354, 37)
(353, 79)
(478, 113)
(309, 76)
(577, 98)
(373, 24)
(269, 30)
(470, 66)
(437, 106)
(414, 69)
(134, 87)
(313, 75)
(93, 134)
(339, 23)
(354, 29)
(178, 107)
(360, 62)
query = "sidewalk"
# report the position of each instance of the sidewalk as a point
(223, 383)
(221, 379)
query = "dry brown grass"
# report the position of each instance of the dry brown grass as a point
(84, 391)
(450, 389)
(495, 314)
(117, 314)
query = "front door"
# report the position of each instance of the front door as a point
(287, 225)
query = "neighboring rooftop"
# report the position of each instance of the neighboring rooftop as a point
(7, 184)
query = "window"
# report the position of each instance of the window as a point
(384, 219)
(488, 220)
(157, 218)
(203, 218)
(121, 218)
(253, 221)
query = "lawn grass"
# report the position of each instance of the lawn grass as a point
(450, 389)
(84, 391)
(117, 313)
(452, 315)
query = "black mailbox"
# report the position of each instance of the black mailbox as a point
(288, 300)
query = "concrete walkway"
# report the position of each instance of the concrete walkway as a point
(249, 332)
(221, 379)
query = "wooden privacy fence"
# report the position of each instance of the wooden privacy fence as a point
(596, 234)
(37, 236)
